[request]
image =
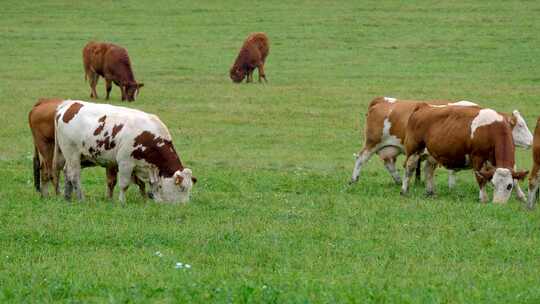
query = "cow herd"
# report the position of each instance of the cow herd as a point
(136, 147)
(456, 135)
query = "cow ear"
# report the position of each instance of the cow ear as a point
(485, 174)
(194, 179)
(140, 85)
(519, 175)
(512, 120)
(178, 179)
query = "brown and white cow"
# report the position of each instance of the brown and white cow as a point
(111, 62)
(136, 142)
(460, 138)
(386, 122)
(41, 120)
(534, 177)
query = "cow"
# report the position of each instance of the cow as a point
(111, 62)
(136, 142)
(41, 121)
(534, 177)
(459, 138)
(252, 55)
(386, 122)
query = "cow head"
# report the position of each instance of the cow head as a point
(177, 189)
(237, 74)
(131, 90)
(503, 182)
(520, 131)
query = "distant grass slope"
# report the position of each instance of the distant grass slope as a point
(272, 219)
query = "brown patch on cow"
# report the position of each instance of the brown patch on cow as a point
(71, 112)
(116, 129)
(106, 143)
(157, 151)
(101, 125)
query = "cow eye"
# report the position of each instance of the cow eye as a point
(509, 187)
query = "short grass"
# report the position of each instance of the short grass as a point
(272, 218)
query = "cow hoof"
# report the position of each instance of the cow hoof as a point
(353, 181)
(403, 193)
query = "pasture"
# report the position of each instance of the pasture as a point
(272, 218)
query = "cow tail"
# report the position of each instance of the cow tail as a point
(37, 168)
(56, 154)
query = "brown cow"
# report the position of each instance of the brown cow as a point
(534, 177)
(111, 62)
(252, 55)
(458, 138)
(41, 120)
(386, 122)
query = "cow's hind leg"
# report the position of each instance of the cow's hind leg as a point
(361, 158)
(451, 179)
(261, 72)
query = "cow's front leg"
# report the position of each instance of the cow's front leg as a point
(390, 165)
(261, 72)
(361, 158)
(125, 169)
(429, 169)
(108, 88)
(410, 167)
(483, 196)
(519, 193)
(74, 176)
(112, 176)
(534, 182)
(451, 179)
(93, 83)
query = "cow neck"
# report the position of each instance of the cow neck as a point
(504, 146)
(171, 162)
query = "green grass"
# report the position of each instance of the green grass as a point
(271, 219)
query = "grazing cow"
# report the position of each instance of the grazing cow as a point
(136, 142)
(534, 177)
(386, 122)
(458, 138)
(252, 55)
(111, 62)
(41, 120)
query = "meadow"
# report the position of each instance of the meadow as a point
(272, 218)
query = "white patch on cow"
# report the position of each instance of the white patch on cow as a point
(160, 144)
(502, 183)
(520, 133)
(463, 103)
(387, 138)
(437, 106)
(390, 99)
(485, 117)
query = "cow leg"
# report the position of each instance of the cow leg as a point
(93, 83)
(418, 172)
(483, 196)
(519, 193)
(429, 170)
(249, 76)
(74, 175)
(142, 187)
(390, 165)
(410, 167)
(125, 170)
(261, 72)
(68, 186)
(361, 158)
(112, 173)
(108, 88)
(534, 181)
(451, 179)
(44, 181)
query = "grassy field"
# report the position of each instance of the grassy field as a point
(272, 218)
